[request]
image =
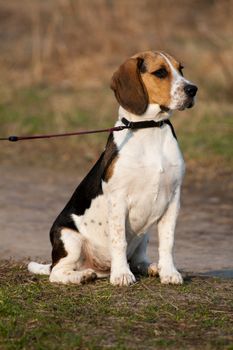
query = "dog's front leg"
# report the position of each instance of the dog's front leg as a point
(166, 228)
(120, 271)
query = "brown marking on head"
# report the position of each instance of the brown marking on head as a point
(173, 61)
(136, 84)
(158, 89)
(129, 88)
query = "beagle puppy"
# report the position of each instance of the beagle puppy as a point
(103, 229)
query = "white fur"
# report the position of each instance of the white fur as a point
(153, 112)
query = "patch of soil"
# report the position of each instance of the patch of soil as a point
(31, 198)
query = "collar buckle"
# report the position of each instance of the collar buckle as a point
(127, 123)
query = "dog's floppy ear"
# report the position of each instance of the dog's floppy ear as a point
(129, 88)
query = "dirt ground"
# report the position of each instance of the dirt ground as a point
(31, 198)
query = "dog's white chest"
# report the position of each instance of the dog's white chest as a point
(149, 168)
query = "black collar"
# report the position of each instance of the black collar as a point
(143, 124)
(148, 124)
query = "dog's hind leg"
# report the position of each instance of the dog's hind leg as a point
(67, 259)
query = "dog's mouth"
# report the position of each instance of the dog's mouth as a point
(189, 103)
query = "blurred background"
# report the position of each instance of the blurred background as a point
(57, 58)
(56, 61)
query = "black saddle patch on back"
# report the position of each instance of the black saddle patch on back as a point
(88, 189)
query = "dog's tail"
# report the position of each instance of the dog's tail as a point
(39, 269)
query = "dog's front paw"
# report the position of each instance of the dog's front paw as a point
(170, 275)
(122, 278)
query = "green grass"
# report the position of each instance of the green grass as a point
(38, 109)
(211, 137)
(35, 314)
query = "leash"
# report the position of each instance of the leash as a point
(48, 136)
(127, 125)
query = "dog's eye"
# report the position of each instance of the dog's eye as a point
(161, 73)
(180, 69)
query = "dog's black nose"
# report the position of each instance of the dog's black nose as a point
(190, 90)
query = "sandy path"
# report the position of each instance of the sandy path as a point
(31, 199)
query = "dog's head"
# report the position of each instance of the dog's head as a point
(152, 78)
